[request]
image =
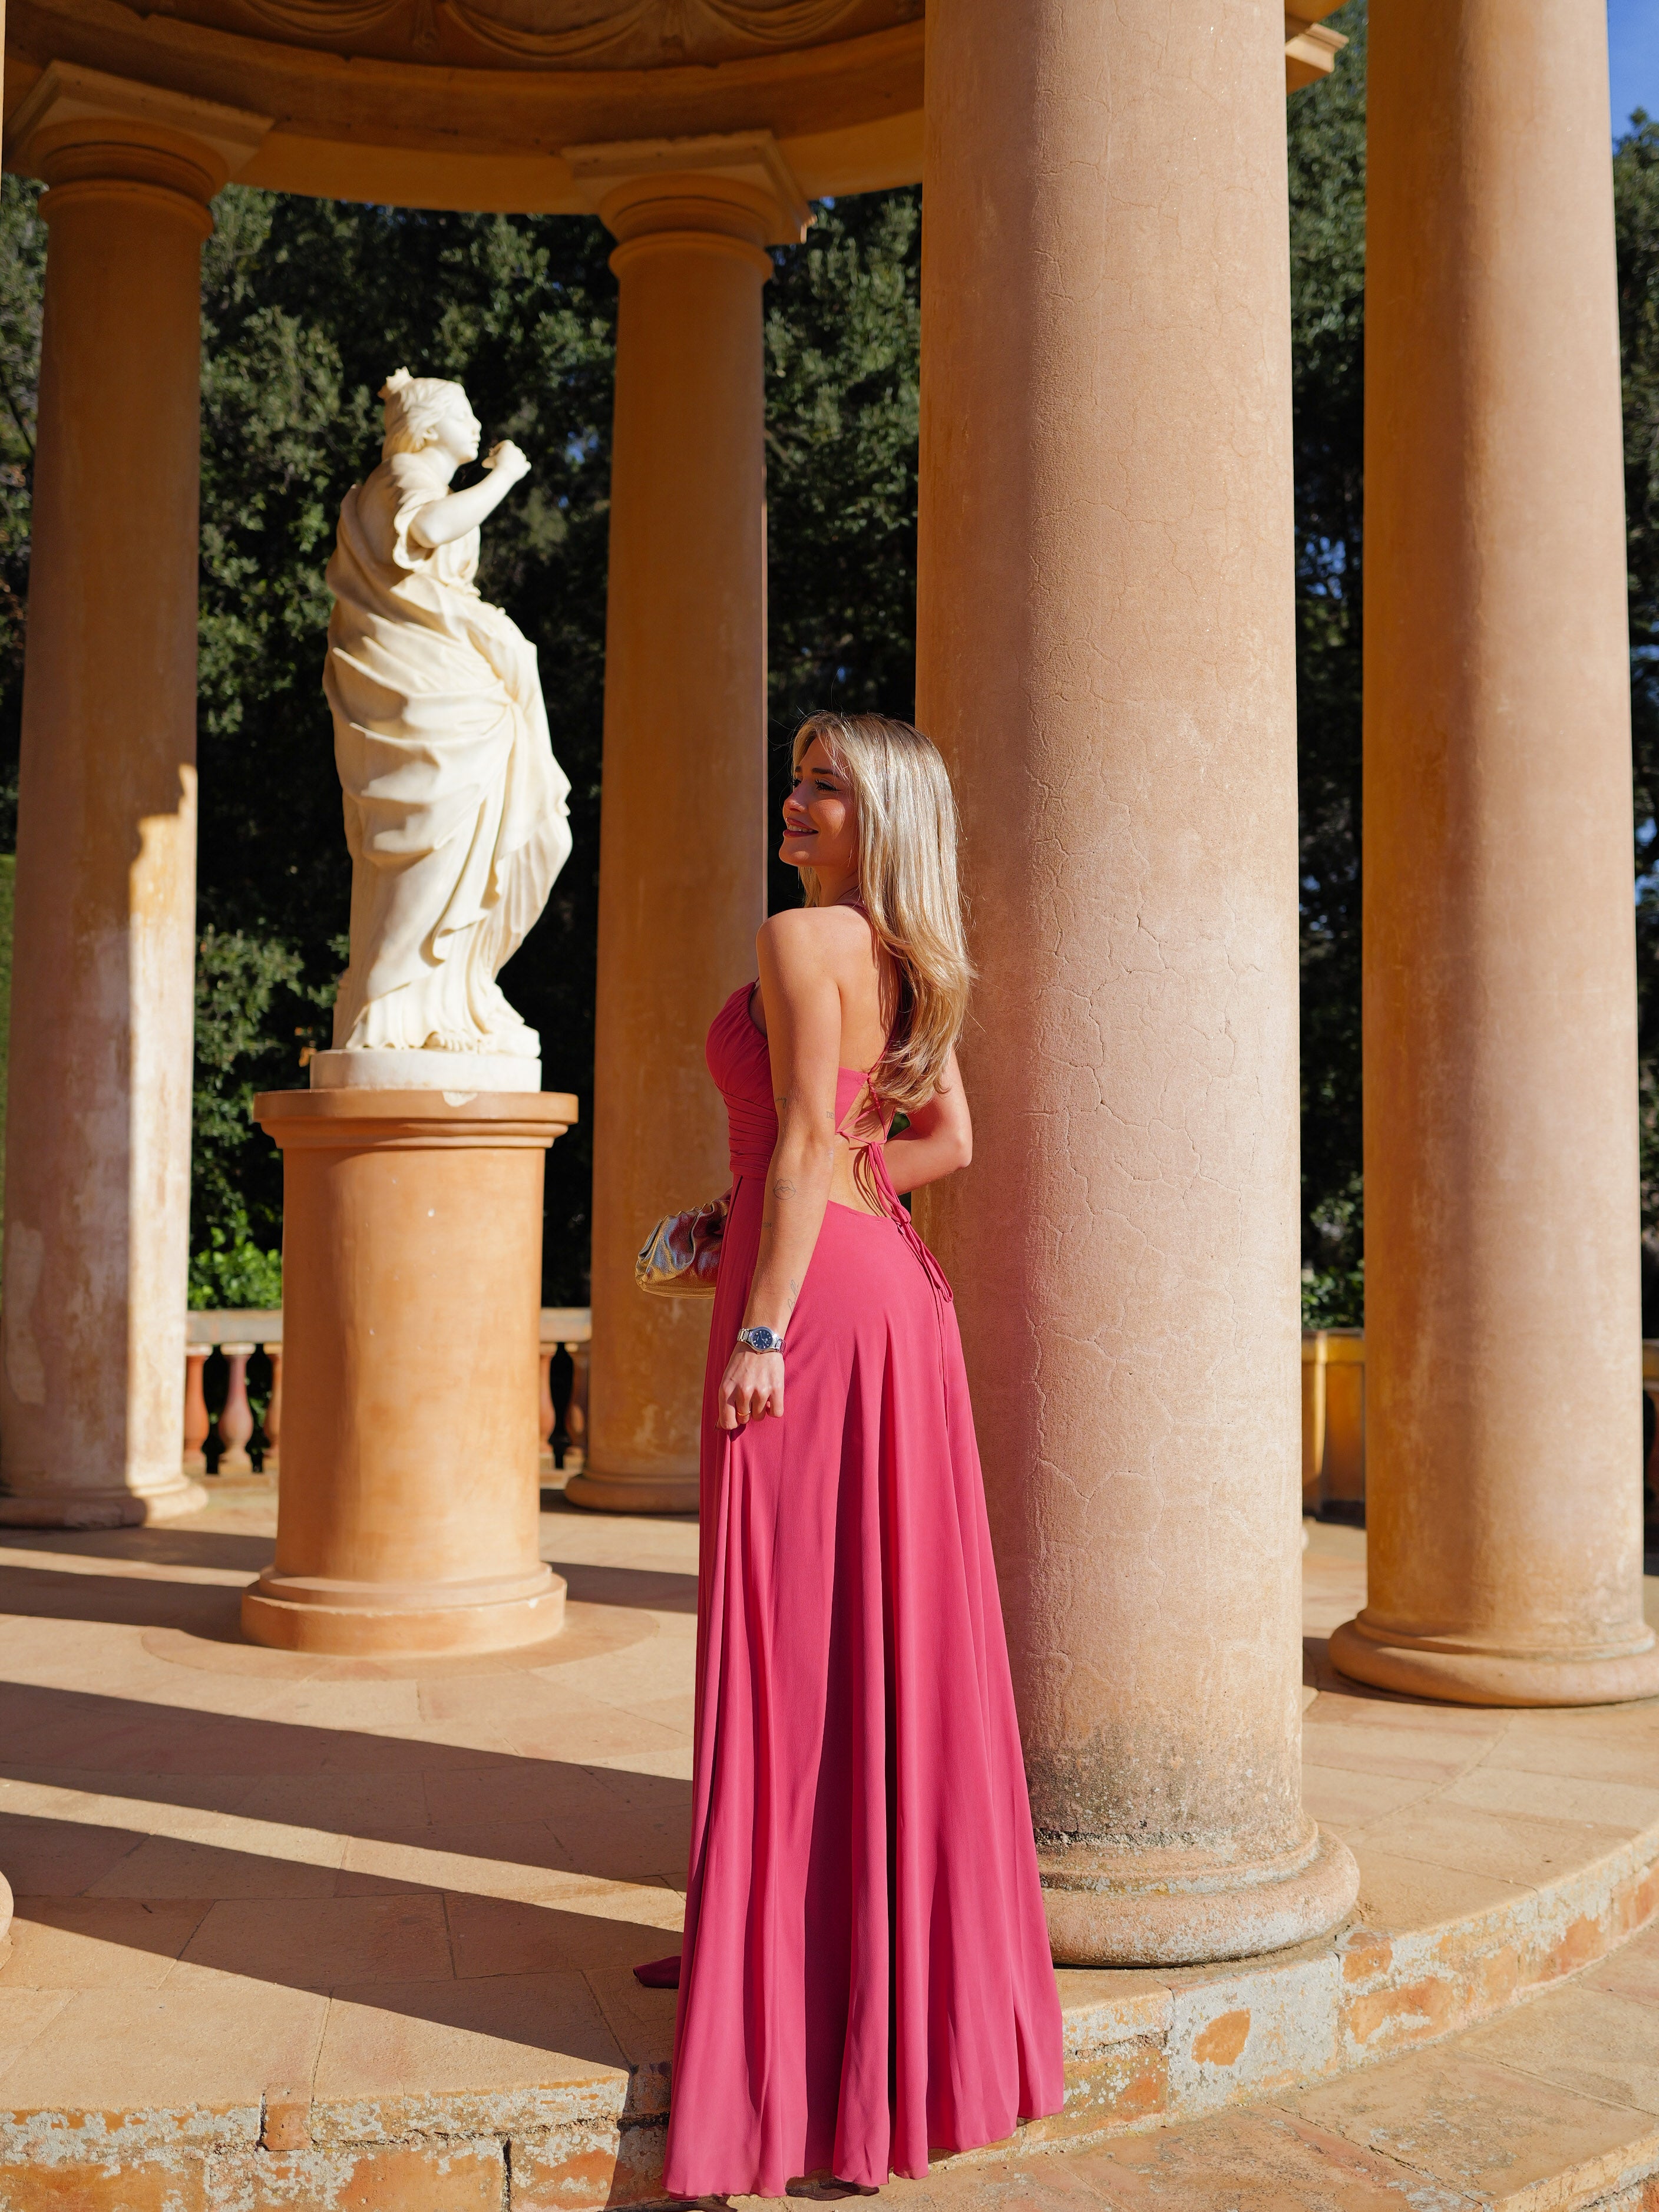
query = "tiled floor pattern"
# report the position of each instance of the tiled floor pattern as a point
(251, 1884)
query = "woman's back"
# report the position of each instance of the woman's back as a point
(837, 946)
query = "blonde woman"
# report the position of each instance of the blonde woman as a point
(865, 1974)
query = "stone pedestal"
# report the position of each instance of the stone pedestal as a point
(92, 1360)
(1105, 653)
(412, 1265)
(1503, 1352)
(683, 849)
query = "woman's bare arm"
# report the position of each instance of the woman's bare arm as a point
(458, 512)
(803, 1026)
(940, 1140)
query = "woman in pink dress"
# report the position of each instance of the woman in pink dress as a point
(865, 1974)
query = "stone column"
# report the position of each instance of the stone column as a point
(92, 1361)
(1503, 1309)
(682, 828)
(1105, 654)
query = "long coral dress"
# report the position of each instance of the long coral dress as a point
(865, 1970)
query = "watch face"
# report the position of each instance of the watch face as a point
(760, 1339)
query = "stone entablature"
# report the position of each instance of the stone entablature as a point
(592, 35)
(474, 104)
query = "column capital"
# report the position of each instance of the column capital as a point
(738, 185)
(80, 127)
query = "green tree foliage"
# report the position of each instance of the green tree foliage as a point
(1327, 146)
(22, 269)
(307, 306)
(843, 357)
(1635, 202)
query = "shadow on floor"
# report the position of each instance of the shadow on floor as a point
(647, 1590)
(602, 1819)
(491, 1965)
(168, 1546)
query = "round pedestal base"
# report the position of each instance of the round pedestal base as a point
(1104, 1910)
(1389, 1660)
(367, 1620)
(116, 1507)
(463, 1074)
(632, 1493)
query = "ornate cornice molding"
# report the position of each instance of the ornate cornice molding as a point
(636, 33)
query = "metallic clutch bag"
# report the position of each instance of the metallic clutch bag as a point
(681, 1257)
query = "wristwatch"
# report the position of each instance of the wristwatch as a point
(760, 1338)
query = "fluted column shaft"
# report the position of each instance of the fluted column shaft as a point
(1106, 654)
(1503, 1303)
(682, 852)
(98, 1107)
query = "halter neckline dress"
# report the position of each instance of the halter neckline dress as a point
(866, 1972)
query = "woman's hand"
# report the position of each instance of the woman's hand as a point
(752, 1387)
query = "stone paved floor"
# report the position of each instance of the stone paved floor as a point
(236, 1867)
(237, 1870)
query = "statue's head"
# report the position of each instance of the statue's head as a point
(418, 409)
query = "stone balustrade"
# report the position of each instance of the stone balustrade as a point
(239, 1332)
(1333, 1405)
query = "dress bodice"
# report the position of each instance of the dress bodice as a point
(742, 1069)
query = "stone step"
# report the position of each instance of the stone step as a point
(1553, 2107)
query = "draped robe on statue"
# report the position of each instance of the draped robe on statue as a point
(456, 811)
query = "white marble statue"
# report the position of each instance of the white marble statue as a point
(455, 808)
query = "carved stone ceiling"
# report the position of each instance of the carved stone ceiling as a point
(561, 34)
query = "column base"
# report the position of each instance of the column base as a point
(357, 1620)
(115, 1507)
(1115, 1908)
(633, 1494)
(1438, 1669)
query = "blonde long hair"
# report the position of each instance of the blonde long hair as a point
(906, 862)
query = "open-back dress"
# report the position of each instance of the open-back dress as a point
(865, 1970)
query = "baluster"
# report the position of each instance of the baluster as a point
(272, 1424)
(236, 1422)
(575, 1415)
(546, 1418)
(196, 1412)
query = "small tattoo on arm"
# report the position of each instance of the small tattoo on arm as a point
(783, 1188)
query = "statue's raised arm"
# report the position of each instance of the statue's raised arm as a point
(456, 811)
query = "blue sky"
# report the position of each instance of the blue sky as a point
(1633, 55)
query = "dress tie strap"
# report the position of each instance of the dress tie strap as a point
(874, 1149)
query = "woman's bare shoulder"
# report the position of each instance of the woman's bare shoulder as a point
(817, 936)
